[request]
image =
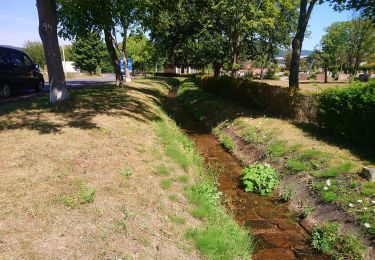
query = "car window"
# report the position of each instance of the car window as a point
(2, 57)
(27, 61)
(16, 59)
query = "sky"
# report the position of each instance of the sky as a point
(19, 23)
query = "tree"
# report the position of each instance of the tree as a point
(88, 52)
(346, 44)
(79, 18)
(366, 7)
(306, 8)
(126, 12)
(143, 52)
(48, 34)
(36, 52)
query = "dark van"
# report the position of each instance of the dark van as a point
(18, 72)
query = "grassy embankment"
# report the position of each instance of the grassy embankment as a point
(107, 175)
(329, 172)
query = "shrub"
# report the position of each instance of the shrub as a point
(327, 239)
(260, 178)
(349, 112)
(323, 238)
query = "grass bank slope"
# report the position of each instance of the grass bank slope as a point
(320, 181)
(96, 178)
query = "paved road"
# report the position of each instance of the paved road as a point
(71, 83)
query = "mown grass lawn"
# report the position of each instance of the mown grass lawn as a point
(94, 178)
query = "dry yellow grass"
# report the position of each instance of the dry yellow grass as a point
(104, 139)
(307, 85)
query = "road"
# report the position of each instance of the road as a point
(71, 83)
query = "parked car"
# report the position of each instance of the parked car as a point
(18, 72)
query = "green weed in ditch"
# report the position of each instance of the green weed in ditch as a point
(368, 188)
(260, 178)
(227, 141)
(310, 154)
(251, 135)
(287, 194)
(329, 196)
(328, 240)
(329, 173)
(296, 166)
(324, 238)
(277, 149)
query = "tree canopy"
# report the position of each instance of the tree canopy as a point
(36, 52)
(88, 52)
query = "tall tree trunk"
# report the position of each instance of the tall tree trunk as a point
(111, 48)
(48, 34)
(325, 75)
(261, 72)
(128, 78)
(235, 49)
(303, 20)
(217, 69)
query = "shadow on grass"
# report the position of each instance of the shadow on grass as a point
(80, 109)
(365, 152)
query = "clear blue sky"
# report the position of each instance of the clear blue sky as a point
(19, 22)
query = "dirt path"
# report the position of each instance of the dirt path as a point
(278, 234)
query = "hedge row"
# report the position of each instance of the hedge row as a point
(166, 74)
(347, 112)
(272, 100)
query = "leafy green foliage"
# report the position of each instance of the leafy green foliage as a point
(144, 53)
(36, 52)
(323, 238)
(260, 178)
(88, 52)
(349, 112)
(327, 239)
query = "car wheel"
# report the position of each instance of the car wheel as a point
(5, 90)
(40, 86)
